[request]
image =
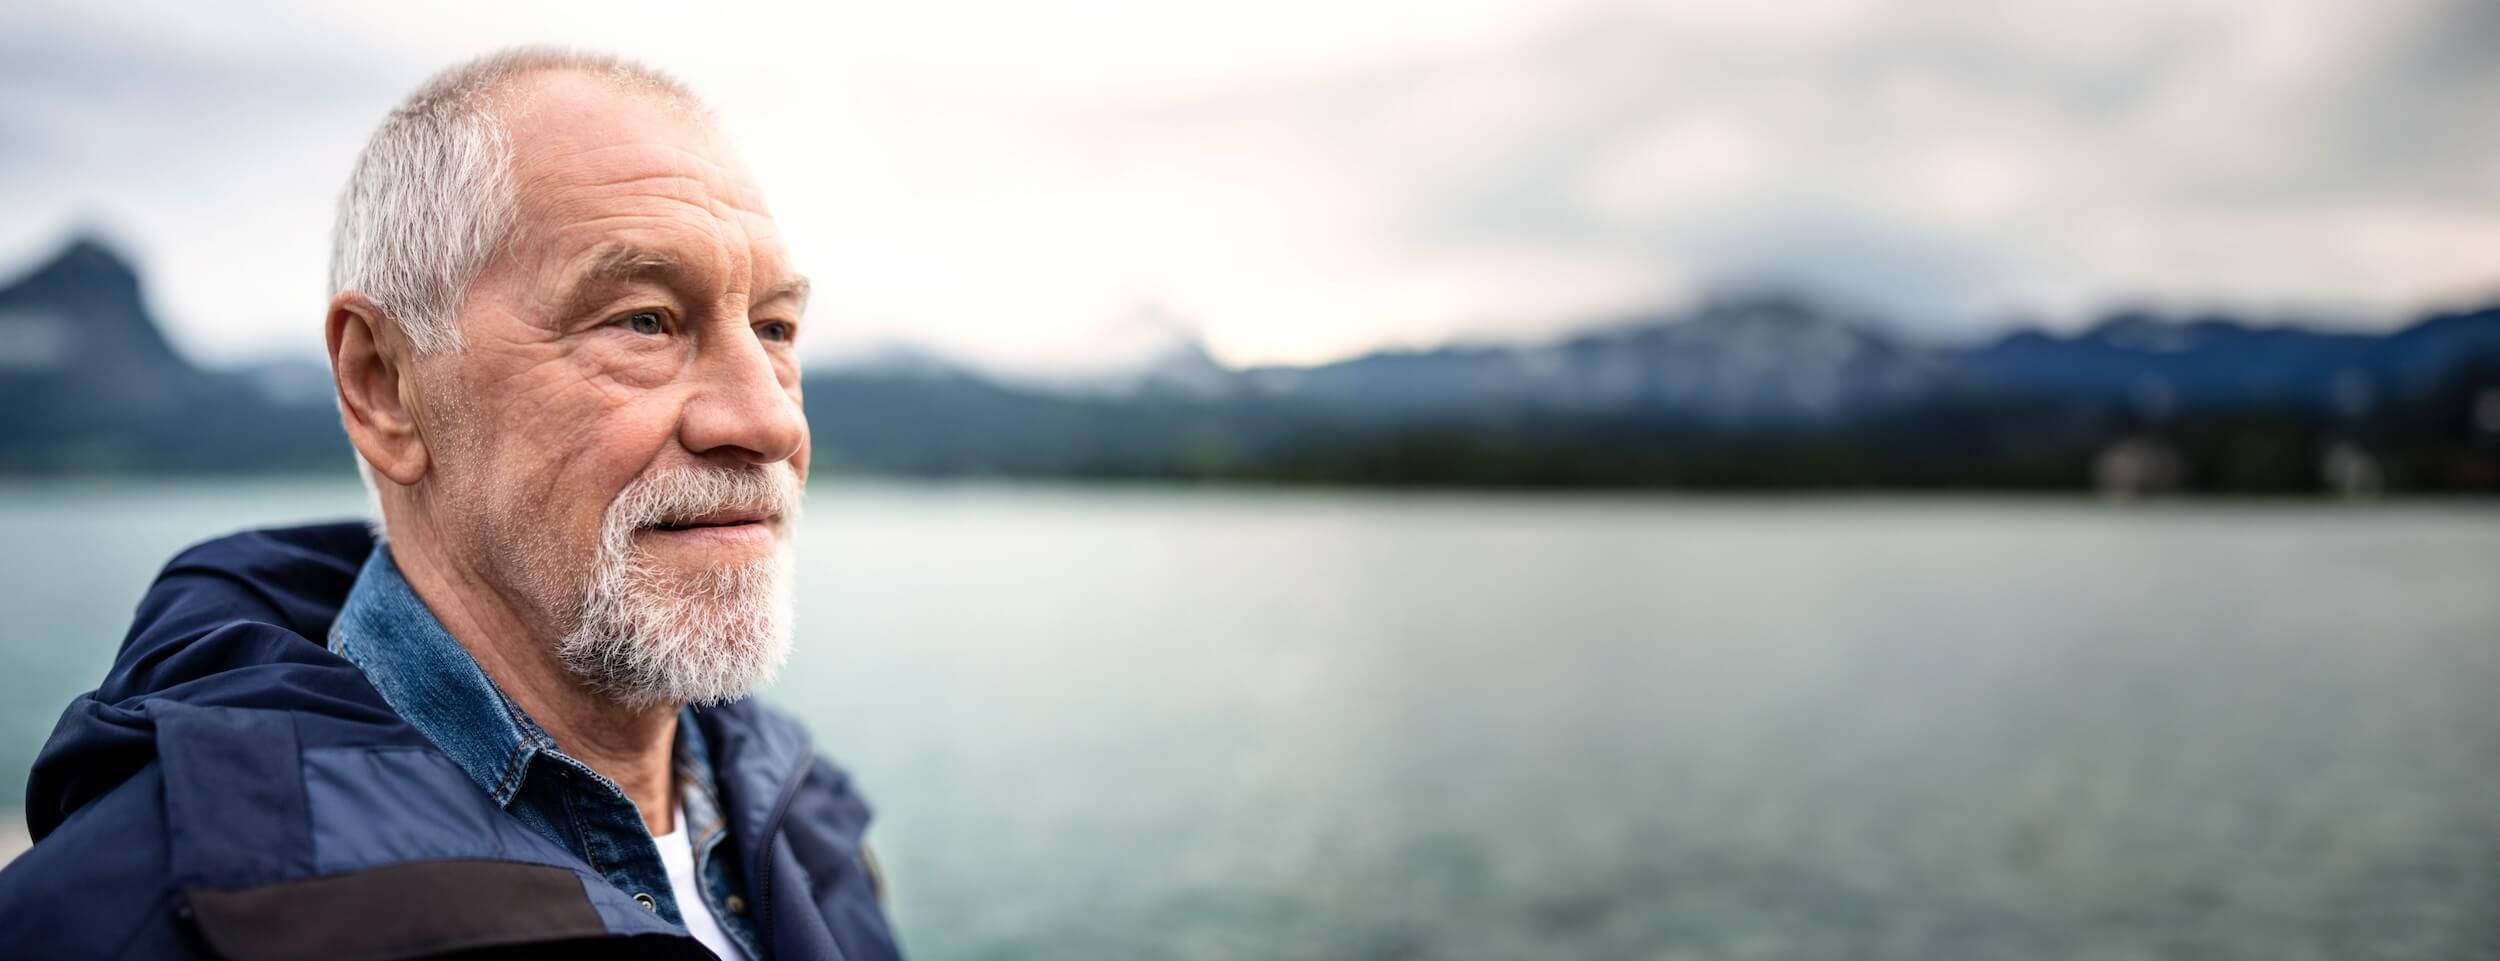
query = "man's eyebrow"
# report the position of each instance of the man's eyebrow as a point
(794, 289)
(615, 263)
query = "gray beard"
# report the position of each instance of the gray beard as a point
(646, 637)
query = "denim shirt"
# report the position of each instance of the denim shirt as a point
(407, 655)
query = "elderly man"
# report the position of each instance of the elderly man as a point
(562, 329)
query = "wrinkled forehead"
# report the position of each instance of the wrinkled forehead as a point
(589, 150)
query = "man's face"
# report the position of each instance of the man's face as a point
(619, 440)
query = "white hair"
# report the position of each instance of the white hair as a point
(432, 196)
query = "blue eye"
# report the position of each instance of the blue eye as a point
(645, 322)
(778, 331)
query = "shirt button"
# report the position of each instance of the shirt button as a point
(647, 903)
(737, 905)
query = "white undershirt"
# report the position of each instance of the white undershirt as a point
(677, 853)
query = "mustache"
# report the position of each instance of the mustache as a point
(681, 494)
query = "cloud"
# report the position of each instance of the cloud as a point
(1951, 163)
(1303, 180)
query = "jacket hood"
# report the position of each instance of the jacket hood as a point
(235, 622)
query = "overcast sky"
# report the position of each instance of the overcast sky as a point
(1026, 184)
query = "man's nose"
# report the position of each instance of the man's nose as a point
(741, 409)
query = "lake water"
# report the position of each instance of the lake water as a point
(1125, 723)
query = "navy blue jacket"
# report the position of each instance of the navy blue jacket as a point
(234, 790)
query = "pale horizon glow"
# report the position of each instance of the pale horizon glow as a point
(1017, 185)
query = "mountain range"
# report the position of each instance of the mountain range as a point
(1757, 381)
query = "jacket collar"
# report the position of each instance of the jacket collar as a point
(416, 665)
(750, 756)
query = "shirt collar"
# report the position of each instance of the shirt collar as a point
(416, 665)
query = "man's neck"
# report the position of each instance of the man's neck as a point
(632, 747)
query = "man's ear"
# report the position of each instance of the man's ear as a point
(368, 359)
